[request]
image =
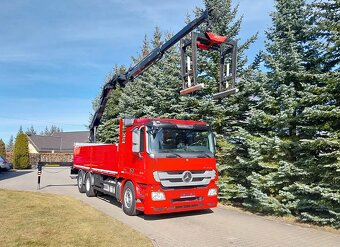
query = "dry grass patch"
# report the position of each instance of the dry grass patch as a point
(37, 219)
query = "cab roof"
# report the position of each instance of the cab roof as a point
(140, 121)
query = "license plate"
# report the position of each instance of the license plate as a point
(186, 195)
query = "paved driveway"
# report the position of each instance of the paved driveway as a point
(217, 227)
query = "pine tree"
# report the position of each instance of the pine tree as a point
(290, 143)
(156, 92)
(247, 155)
(108, 130)
(316, 196)
(20, 152)
(2, 148)
(31, 131)
(51, 130)
(274, 121)
(10, 144)
(326, 19)
(262, 118)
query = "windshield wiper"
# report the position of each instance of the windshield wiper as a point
(204, 155)
(173, 155)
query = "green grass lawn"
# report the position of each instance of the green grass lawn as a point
(37, 219)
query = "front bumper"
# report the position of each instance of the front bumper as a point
(177, 200)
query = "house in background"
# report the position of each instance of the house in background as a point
(56, 149)
(61, 142)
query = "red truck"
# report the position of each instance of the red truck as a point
(158, 166)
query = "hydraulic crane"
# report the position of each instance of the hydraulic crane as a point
(205, 41)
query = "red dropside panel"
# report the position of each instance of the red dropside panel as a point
(99, 158)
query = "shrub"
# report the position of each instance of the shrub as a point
(21, 153)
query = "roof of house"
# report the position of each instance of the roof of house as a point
(58, 142)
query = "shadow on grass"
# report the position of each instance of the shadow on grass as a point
(13, 173)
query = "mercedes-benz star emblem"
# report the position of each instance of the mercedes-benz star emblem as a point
(187, 177)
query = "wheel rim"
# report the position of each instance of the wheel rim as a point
(80, 180)
(88, 184)
(128, 198)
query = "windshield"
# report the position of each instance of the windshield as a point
(180, 141)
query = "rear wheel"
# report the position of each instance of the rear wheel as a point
(90, 192)
(129, 199)
(80, 182)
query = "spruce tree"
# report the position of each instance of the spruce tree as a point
(31, 131)
(274, 120)
(108, 130)
(316, 196)
(20, 152)
(262, 142)
(10, 144)
(325, 18)
(293, 147)
(48, 131)
(2, 148)
(156, 92)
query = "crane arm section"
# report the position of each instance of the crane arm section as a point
(143, 65)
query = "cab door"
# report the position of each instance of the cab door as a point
(138, 152)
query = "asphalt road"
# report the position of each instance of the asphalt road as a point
(218, 227)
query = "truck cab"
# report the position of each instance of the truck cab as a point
(172, 163)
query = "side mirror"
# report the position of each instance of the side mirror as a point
(213, 135)
(136, 140)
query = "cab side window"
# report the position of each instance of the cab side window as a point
(142, 139)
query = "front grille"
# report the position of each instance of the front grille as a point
(188, 199)
(175, 178)
(190, 206)
(183, 187)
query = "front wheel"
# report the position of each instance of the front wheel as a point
(129, 199)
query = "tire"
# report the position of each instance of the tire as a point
(129, 199)
(89, 190)
(80, 182)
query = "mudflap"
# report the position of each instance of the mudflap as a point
(74, 173)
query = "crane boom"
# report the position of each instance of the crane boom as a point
(206, 41)
(140, 67)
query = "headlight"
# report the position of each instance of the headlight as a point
(157, 196)
(212, 192)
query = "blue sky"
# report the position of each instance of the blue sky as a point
(55, 55)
